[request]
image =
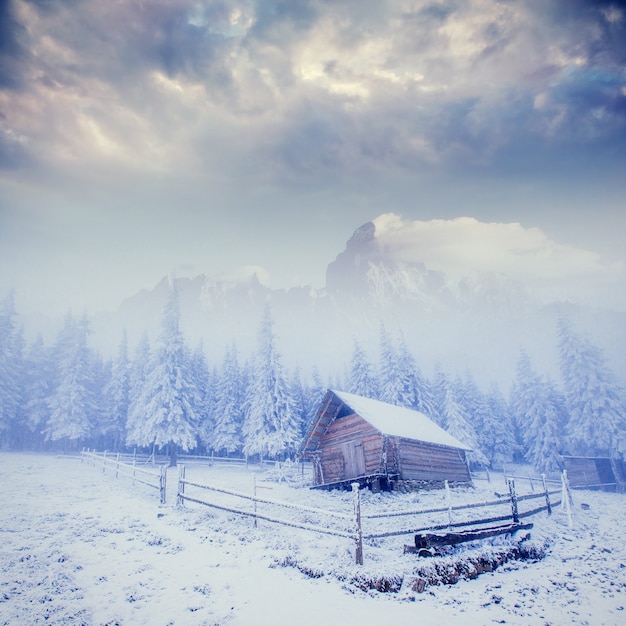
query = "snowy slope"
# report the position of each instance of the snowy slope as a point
(80, 547)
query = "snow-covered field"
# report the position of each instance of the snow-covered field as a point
(80, 547)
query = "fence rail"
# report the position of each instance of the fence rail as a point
(156, 479)
(351, 525)
(347, 533)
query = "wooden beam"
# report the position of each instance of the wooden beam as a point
(424, 541)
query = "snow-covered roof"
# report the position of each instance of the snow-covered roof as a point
(398, 421)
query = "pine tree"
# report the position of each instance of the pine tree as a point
(479, 415)
(101, 372)
(205, 385)
(315, 393)
(229, 401)
(117, 397)
(139, 368)
(165, 415)
(457, 420)
(10, 367)
(546, 419)
(392, 387)
(271, 423)
(521, 400)
(498, 438)
(38, 387)
(361, 379)
(595, 402)
(299, 395)
(72, 403)
(439, 391)
(417, 389)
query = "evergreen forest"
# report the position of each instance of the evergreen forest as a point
(166, 397)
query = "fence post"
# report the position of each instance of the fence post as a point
(358, 531)
(254, 494)
(547, 494)
(82, 454)
(566, 499)
(532, 486)
(134, 463)
(514, 510)
(104, 461)
(180, 501)
(117, 465)
(162, 484)
(449, 500)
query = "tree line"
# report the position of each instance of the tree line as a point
(166, 397)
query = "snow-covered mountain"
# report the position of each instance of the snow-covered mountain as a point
(365, 269)
(477, 321)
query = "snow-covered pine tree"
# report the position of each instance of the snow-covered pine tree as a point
(361, 381)
(72, 404)
(538, 410)
(37, 389)
(546, 422)
(299, 395)
(392, 384)
(271, 426)
(166, 415)
(315, 392)
(439, 391)
(595, 402)
(204, 383)
(498, 437)
(139, 368)
(11, 355)
(457, 419)
(229, 402)
(417, 388)
(100, 379)
(117, 398)
(521, 400)
(479, 412)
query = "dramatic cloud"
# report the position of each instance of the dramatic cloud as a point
(464, 245)
(292, 89)
(221, 133)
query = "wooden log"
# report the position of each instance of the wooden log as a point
(430, 540)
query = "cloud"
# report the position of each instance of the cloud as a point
(466, 245)
(308, 88)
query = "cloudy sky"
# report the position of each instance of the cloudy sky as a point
(142, 138)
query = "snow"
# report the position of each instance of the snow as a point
(398, 421)
(81, 547)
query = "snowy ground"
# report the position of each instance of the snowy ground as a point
(80, 547)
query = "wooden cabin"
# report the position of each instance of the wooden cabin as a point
(595, 472)
(356, 439)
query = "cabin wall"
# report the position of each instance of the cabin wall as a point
(430, 462)
(349, 449)
(582, 472)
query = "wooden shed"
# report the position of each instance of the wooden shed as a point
(595, 472)
(381, 445)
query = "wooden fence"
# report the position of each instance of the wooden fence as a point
(154, 478)
(350, 525)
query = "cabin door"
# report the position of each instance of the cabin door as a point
(353, 459)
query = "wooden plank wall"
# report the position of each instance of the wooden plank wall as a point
(425, 461)
(581, 471)
(342, 431)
